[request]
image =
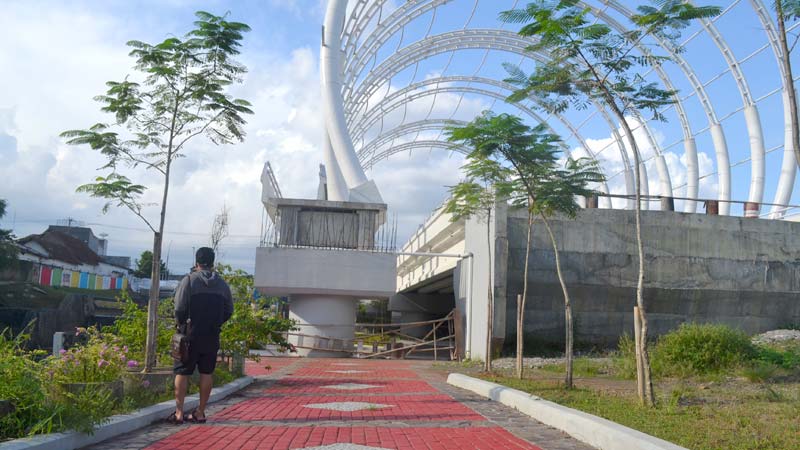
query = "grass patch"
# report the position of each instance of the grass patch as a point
(692, 415)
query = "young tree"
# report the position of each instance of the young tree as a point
(589, 62)
(786, 10)
(557, 195)
(489, 136)
(219, 229)
(183, 95)
(541, 187)
(485, 183)
(8, 250)
(144, 265)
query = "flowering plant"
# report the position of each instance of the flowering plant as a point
(103, 358)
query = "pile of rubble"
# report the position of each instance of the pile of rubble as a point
(777, 337)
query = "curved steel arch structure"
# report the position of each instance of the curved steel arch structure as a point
(479, 39)
(365, 51)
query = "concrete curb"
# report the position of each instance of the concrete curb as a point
(595, 431)
(119, 424)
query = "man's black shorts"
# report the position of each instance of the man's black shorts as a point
(202, 357)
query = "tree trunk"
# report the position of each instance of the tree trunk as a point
(490, 296)
(521, 300)
(787, 74)
(151, 344)
(567, 308)
(649, 397)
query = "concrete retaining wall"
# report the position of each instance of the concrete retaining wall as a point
(732, 270)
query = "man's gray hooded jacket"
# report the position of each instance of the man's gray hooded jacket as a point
(206, 298)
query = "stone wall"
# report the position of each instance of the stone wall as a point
(732, 270)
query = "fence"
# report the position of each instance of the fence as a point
(394, 340)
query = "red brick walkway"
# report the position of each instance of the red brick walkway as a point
(313, 408)
(350, 404)
(285, 438)
(348, 385)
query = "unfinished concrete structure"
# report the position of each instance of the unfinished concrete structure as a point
(322, 255)
(367, 48)
(703, 268)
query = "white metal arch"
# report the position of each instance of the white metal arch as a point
(788, 173)
(483, 39)
(395, 133)
(716, 130)
(408, 146)
(751, 116)
(388, 105)
(689, 144)
(457, 40)
(362, 36)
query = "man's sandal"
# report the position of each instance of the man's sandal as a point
(173, 419)
(192, 417)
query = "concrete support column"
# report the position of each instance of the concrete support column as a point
(327, 316)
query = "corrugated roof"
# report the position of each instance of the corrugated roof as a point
(63, 247)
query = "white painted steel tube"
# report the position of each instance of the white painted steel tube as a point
(757, 153)
(629, 187)
(723, 168)
(333, 102)
(337, 188)
(789, 166)
(692, 175)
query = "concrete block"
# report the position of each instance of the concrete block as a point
(595, 431)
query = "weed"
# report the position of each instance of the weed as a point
(760, 371)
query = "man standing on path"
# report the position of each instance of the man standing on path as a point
(203, 300)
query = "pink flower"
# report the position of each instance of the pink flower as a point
(146, 383)
(102, 363)
(132, 364)
(62, 351)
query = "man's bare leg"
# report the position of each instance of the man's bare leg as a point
(206, 383)
(181, 384)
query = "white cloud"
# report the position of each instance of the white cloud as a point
(63, 56)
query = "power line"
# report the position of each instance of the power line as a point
(144, 230)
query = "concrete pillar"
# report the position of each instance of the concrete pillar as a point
(752, 210)
(58, 343)
(326, 316)
(712, 207)
(668, 204)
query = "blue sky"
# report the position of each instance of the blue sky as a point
(56, 55)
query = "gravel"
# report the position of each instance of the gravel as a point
(530, 363)
(777, 336)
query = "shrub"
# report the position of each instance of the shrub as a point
(701, 349)
(104, 358)
(131, 328)
(20, 384)
(253, 324)
(787, 357)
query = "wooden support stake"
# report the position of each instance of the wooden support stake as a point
(637, 336)
(435, 350)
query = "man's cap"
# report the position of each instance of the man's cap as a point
(205, 256)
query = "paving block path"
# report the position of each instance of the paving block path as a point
(347, 404)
